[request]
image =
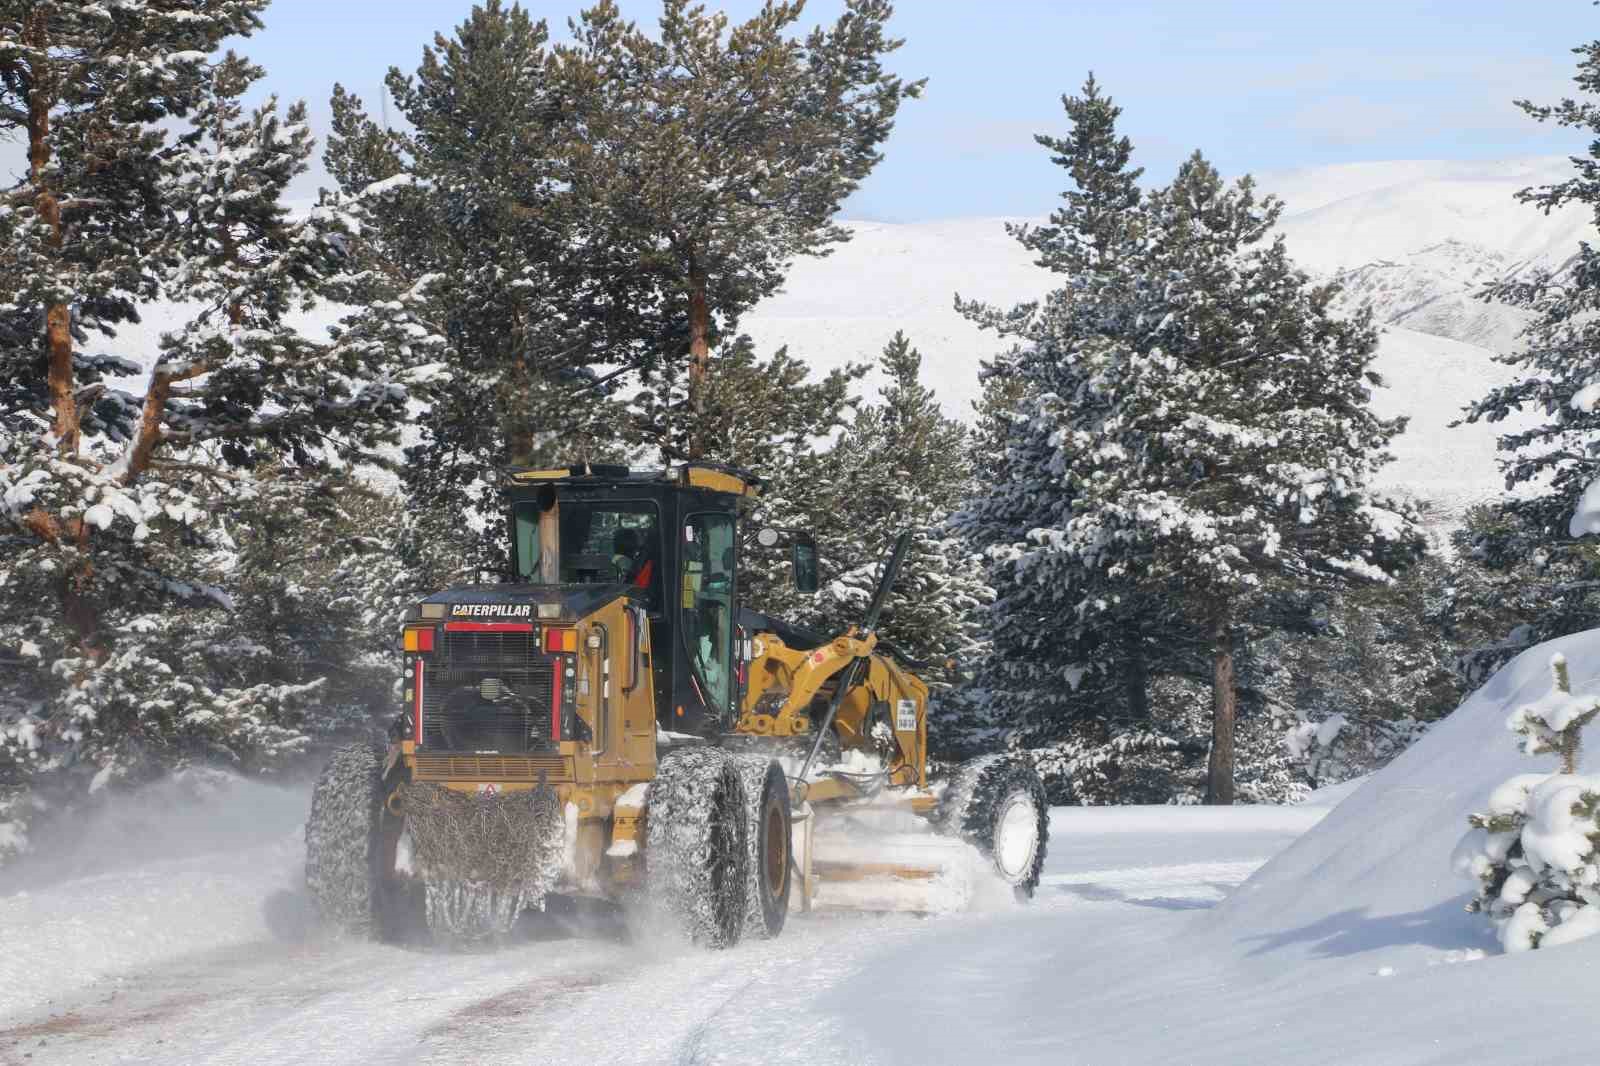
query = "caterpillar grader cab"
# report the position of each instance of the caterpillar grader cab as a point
(613, 721)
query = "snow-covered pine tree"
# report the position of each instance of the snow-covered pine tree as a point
(1533, 852)
(117, 502)
(1199, 426)
(1073, 644)
(81, 230)
(85, 86)
(902, 465)
(1235, 442)
(723, 152)
(1537, 546)
(472, 212)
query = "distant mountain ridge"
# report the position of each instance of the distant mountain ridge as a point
(1416, 240)
(1419, 240)
(1438, 290)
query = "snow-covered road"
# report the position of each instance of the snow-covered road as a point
(214, 958)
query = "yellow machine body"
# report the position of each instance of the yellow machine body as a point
(600, 777)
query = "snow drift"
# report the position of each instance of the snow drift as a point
(1351, 946)
(1375, 875)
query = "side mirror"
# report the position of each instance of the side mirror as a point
(804, 556)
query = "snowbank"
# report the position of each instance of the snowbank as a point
(1350, 947)
(1375, 875)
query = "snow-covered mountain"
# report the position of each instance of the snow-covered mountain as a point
(1435, 290)
(1419, 240)
(1415, 239)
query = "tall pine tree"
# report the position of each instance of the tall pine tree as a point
(119, 499)
(1081, 641)
(1540, 567)
(720, 153)
(1232, 443)
(1198, 428)
(472, 212)
(85, 85)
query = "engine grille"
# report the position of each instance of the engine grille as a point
(471, 650)
(492, 767)
(457, 717)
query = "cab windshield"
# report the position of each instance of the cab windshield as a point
(574, 543)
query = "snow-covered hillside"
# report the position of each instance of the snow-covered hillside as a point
(1416, 239)
(1429, 379)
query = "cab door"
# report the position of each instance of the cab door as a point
(708, 555)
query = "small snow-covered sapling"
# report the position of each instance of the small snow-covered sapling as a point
(1553, 725)
(1536, 851)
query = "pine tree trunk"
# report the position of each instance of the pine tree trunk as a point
(58, 316)
(1138, 682)
(78, 611)
(149, 432)
(58, 342)
(1219, 771)
(699, 348)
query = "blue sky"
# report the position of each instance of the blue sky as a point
(1257, 85)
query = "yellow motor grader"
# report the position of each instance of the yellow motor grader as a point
(613, 721)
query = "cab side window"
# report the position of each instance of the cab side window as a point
(706, 603)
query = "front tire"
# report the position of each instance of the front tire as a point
(769, 819)
(997, 804)
(697, 844)
(342, 839)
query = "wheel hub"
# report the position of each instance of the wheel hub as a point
(1016, 837)
(777, 850)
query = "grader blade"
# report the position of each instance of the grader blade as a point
(885, 861)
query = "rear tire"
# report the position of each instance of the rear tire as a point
(997, 804)
(697, 844)
(769, 819)
(342, 840)
(400, 911)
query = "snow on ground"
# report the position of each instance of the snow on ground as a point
(1350, 946)
(152, 878)
(213, 957)
(1158, 935)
